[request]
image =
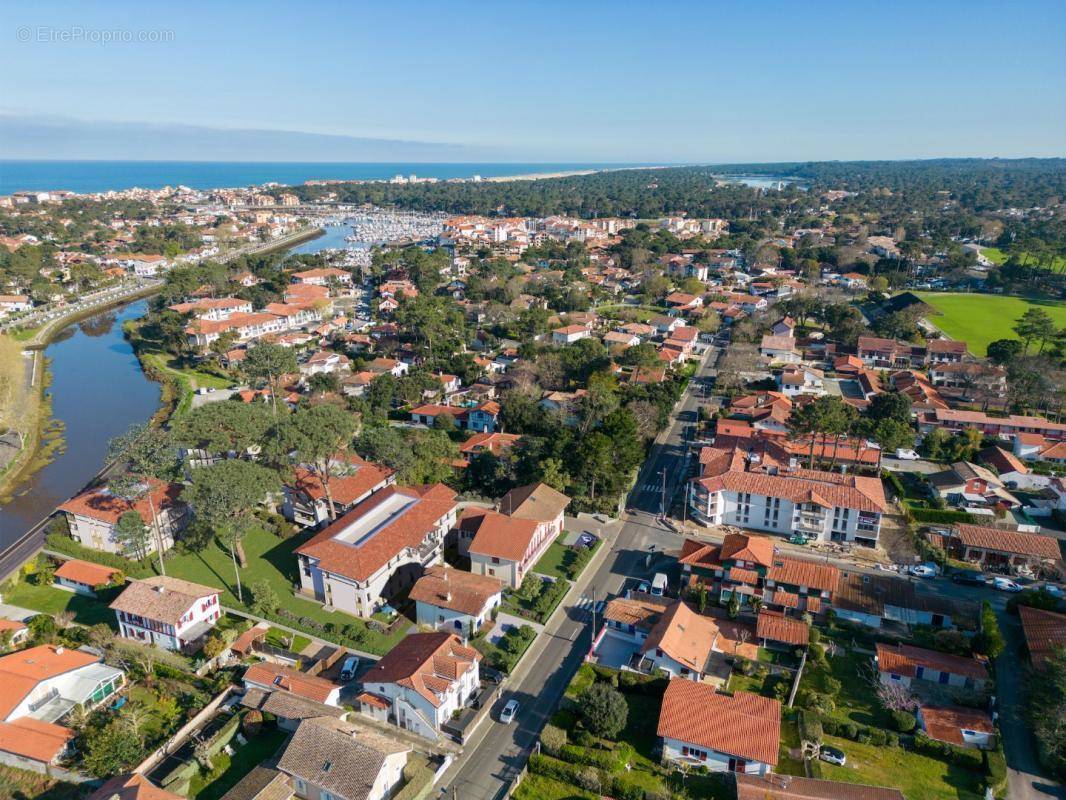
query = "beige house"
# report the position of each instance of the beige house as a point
(93, 516)
(330, 759)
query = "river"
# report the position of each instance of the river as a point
(98, 390)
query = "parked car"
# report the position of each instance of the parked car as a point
(509, 711)
(969, 577)
(924, 571)
(797, 538)
(586, 539)
(349, 668)
(658, 584)
(491, 675)
(1052, 589)
(1002, 584)
(907, 455)
(833, 755)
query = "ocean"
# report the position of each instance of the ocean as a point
(101, 176)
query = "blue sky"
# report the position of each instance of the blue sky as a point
(612, 81)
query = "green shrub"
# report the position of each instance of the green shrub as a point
(903, 721)
(937, 516)
(588, 778)
(966, 757)
(552, 739)
(996, 770)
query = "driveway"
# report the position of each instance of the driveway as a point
(1023, 769)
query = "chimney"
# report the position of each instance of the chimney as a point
(160, 589)
(60, 650)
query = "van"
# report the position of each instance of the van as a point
(658, 584)
(349, 668)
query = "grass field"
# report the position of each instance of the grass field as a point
(270, 558)
(978, 319)
(915, 775)
(49, 600)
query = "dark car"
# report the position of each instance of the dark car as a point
(969, 577)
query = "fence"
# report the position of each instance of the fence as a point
(179, 738)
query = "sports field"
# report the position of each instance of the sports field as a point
(978, 319)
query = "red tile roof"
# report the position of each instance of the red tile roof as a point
(904, 659)
(359, 478)
(427, 663)
(803, 572)
(407, 529)
(1045, 631)
(537, 501)
(946, 722)
(743, 547)
(776, 627)
(87, 573)
(21, 671)
(275, 676)
(33, 739)
(456, 590)
(744, 725)
(132, 787)
(101, 504)
(1013, 542)
(499, 535)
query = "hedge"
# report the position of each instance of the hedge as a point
(940, 516)
(966, 757)
(895, 482)
(67, 546)
(809, 726)
(863, 734)
(996, 769)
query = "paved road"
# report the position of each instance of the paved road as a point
(497, 753)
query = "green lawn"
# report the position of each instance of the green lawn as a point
(269, 558)
(995, 255)
(560, 561)
(243, 760)
(855, 700)
(186, 379)
(280, 638)
(537, 787)
(915, 775)
(50, 600)
(978, 319)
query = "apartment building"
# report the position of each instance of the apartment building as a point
(379, 547)
(734, 489)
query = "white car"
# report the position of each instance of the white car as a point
(924, 571)
(1005, 585)
(907, 455)
(509, 711)
(833, 755)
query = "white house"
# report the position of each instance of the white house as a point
(330, 759)
(379, 547)
(965, 727)
(912, 666)
(825, 506)
(84, 577)
(420, 682)
(455, 601)
(701, 727)
(568, 334)
(780, 350)
(93, 516)
(353, 481)
(507, 545)
(167, 612)
(39, 687)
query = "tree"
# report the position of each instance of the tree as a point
(989, 640)
(1046, 710)
(225, 496)
(316, 436)
(111, 750)
(132, 534)
(1035, 325)
(264, 598)
(1003, 351)
(603, 710)
(222, 428)
(269, 362)
(149, 454)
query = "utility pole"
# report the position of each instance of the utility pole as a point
(662, 497)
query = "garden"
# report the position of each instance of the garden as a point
(978, 319)
(505, 653)
(566, 561)
(267, 582)
(844, 704)
(536, 598)
(602, 741)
